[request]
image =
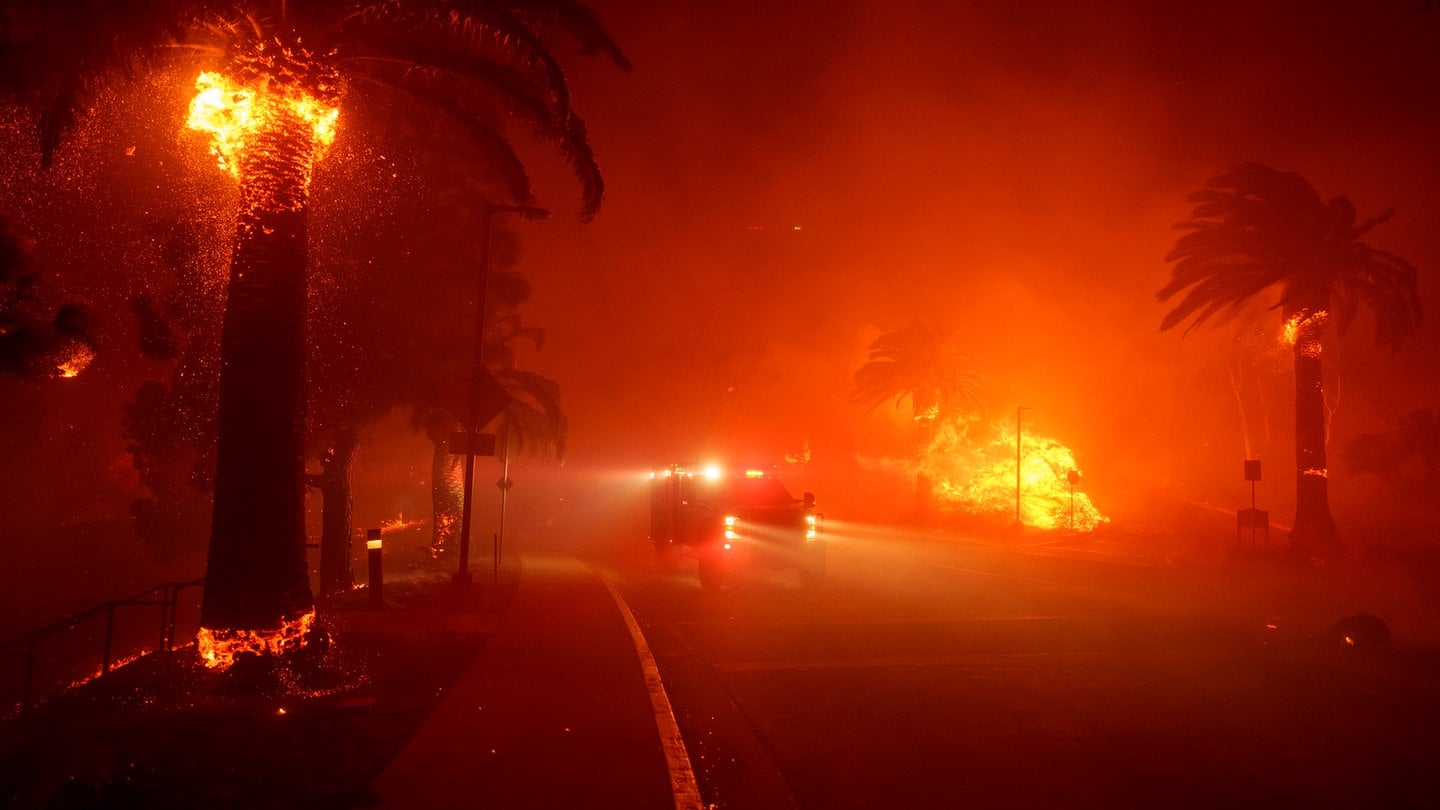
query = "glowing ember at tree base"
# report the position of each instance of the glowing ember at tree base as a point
(979, 478)
(219, 648)
(400, 524)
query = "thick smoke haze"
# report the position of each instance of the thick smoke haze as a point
(786, 182)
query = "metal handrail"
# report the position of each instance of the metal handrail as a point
(167, 601)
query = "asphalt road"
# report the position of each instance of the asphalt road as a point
(932, 671)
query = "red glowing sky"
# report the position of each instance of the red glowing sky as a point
(1012, 172)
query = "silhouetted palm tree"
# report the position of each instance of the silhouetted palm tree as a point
(533, 423)
(1410, 449)
(1258, 230)
(924, 365)
(276, 74)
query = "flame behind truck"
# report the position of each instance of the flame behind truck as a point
(732, 519)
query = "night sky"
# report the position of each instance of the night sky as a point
(788, 181)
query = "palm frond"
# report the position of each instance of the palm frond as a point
(921, 364)
(70, 47)
(1255, 228)
(492, 148)
(534, 421)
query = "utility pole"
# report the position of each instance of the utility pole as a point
(479, 374)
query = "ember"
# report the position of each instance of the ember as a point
(74, 361)
(1305, 326)
(445, 526)
(219, 648)
(399, 524)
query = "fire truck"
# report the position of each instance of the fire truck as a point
(729, 519)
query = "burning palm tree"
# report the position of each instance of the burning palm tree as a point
(924, 365)
(1257, 230)
(270, 89)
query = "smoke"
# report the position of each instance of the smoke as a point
(795, 181)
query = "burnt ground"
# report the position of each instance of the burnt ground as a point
(313, 732)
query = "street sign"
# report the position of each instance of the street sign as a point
(478, 444)
(488, 399)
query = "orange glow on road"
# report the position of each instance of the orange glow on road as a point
(979, 478)
(219, 648)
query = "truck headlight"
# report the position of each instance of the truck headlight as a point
(811, 527)
(730, 527)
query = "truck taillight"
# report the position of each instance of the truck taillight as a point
(730, 524)
(811, 527)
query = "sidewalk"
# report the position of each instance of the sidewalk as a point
(553, 712)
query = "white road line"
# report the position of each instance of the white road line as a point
(677, 761)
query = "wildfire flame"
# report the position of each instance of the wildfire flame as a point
(979, 479)
(399, 523)
(444, 529)
(219, 648)
(122, 661)
(1307, 324)
(74, 361)
(232, 113)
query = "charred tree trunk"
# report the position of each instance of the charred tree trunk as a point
(337, 574)
(257, 575)
(1315, 530)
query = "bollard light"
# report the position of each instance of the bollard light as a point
(376, 573)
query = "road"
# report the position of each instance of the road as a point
(932, 670)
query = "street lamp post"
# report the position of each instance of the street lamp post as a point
(462, 576)
(1018, 409)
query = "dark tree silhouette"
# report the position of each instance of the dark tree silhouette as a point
(1409, 450)
(170, 426)
(483, 64)
(531, 424)
(30, 344)
(922, 364)
(1256, 230)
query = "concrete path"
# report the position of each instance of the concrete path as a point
(554, 711)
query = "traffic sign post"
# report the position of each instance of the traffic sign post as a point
(488, 400)
(488, 397)
(1252, 518)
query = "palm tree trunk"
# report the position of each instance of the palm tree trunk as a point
(1315, 529)
(257, 575)
(447, 475)
(337, 573)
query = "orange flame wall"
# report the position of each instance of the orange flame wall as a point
(979, 478)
